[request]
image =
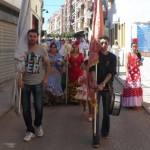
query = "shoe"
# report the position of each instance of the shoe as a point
(39, 131)
(29, 136)
(105, 136)
(96, 144)
(90, 119)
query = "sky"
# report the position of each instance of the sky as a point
(52, 6)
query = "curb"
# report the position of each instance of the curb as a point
(146, 106)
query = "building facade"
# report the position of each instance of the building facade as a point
(75, 16)
(9, 13)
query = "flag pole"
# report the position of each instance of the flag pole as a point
(68, 52)
(67, 80)
(19, 98)
(95, 107)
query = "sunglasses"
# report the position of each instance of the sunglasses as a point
(106, 43)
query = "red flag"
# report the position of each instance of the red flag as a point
(97, 31)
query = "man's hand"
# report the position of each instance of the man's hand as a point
(100, 87)
(20, 83)
(45, 81)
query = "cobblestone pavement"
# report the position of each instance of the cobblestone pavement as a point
(66, 129)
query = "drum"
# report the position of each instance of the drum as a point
(115, 106)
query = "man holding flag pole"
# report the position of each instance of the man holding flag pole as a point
(29, 65)
(102, 67)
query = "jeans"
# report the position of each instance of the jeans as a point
(36, 90)
(106, 101)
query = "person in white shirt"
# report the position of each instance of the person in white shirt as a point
(83, 46)
(62, 50)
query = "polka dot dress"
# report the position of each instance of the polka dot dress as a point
(132, 94)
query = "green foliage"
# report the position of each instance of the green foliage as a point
(67, 34)
(63, 35)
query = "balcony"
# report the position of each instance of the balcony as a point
(80, 5)
(82, 17)
(73, 1)
(87, 23)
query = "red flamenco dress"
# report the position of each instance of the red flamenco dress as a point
(132, 95)
(74, 72)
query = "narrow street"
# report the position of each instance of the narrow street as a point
(66, 129)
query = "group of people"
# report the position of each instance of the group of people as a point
(70, 63)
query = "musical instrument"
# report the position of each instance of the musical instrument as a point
(115, 106)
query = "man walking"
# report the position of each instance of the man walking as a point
(31, 82)
(106, 69)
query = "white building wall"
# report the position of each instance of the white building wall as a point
(129, 12)
(36, 7)
(16, 3)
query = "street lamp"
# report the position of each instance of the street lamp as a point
(45, 10)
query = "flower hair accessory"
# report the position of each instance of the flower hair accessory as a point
(77, 43)
(134, 40)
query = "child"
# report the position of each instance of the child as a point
(82, 91)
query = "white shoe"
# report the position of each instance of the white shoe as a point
(29, 136)
(39, 131)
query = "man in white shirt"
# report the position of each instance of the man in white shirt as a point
(62, 50)
(83, 46)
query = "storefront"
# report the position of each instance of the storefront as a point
(8, 26)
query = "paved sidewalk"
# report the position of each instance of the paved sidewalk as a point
(145, 85)
(5, 97)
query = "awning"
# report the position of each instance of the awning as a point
(79, 34)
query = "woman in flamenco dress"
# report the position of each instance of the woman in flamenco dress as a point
(75, 60)
(132, 95)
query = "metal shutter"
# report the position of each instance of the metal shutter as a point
(7, 49)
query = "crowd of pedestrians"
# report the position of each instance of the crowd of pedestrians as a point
(58, 72)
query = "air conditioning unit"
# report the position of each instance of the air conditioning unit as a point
(115, 19)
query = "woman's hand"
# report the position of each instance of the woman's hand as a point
(139, 63)
(94, 86)
(69, 65)
(59, 63)
(83, 80)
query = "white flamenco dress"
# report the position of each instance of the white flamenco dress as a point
(82, 93)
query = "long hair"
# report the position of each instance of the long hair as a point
(52, 44)
(137, 53)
